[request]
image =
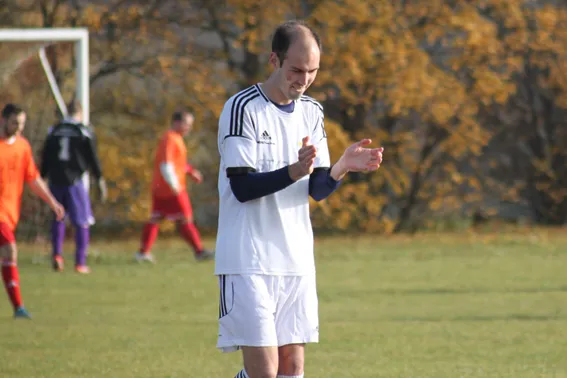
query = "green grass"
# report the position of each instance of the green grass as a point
(426, 306)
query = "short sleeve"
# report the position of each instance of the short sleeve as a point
(30, 170)
(169, 149)
(237, 136)
(319, 138)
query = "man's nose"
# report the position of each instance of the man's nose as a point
(304, 78)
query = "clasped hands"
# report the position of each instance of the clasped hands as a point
(356, 158)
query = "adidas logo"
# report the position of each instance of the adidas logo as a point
(265, 138)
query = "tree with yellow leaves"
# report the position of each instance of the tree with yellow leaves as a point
(468, 98)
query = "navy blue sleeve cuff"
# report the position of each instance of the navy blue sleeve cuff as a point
(322, 184)
(248, 185)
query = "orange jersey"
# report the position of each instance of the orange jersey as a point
(172, 150)
(16, 166)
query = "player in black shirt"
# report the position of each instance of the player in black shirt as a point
(69, 154)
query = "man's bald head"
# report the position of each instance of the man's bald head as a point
(291, 32)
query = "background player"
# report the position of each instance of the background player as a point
(16, 167)
(169, 194)
(274, 155)
(69, 154)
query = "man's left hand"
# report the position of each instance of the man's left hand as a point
(358, 158)
(102, 190)
(197, 176)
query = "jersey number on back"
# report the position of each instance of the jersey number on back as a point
(64, 149)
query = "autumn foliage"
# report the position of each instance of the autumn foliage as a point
(468, 98)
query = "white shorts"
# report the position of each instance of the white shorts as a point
(262, 311)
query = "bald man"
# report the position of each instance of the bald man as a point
(273, 156)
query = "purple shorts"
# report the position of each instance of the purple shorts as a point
(75, 199)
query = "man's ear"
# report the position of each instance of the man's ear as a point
(274, 60)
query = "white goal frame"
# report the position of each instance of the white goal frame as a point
(80, 36)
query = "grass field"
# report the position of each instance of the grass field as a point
(426, 306)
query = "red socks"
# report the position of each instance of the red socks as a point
(190, 234)
(149, 235)
(11, 279)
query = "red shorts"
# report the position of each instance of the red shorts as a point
(6, 235)
(172, 208)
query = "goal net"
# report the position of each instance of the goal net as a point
(41, 70)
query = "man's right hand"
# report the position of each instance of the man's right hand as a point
(304, 166)
(58, 209)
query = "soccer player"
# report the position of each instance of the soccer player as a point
(273, 156)
(16, 167)
(69, 154)
(169, 194)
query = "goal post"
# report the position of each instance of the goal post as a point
(27, 78)
(80, 37)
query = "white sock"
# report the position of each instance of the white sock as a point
(242, 374)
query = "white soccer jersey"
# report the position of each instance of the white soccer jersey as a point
(270, 235)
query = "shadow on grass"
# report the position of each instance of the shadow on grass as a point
(478, 318)
(474, 290)
(440, 291)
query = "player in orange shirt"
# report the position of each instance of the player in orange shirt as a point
(169, 194)
(16, 167)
